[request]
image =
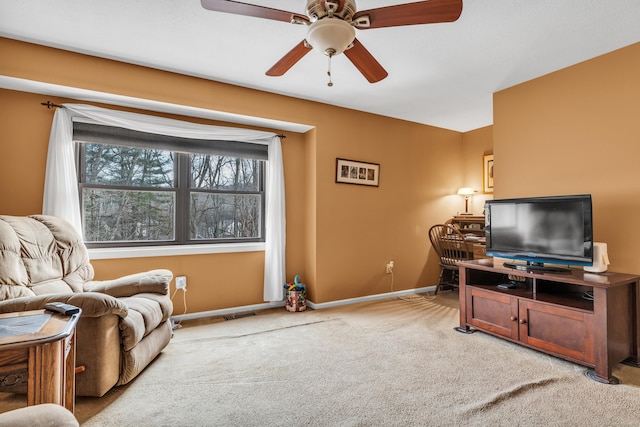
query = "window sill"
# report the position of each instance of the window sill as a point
(159, 251)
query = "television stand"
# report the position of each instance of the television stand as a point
(548, 313)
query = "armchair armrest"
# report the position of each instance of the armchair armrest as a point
(43, 414)
(154, 281)
(92, 304)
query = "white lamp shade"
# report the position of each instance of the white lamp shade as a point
(466, 191)
(331, 36)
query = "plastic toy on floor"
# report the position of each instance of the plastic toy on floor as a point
(296, 295)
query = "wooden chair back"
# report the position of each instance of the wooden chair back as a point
(450, 245)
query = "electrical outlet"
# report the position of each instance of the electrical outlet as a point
(181, 282)
(390, 265)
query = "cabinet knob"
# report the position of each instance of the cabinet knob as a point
(523, 321)
(514, 318)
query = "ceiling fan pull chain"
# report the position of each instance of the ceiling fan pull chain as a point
(329, 72)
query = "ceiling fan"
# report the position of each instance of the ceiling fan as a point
(332, 26)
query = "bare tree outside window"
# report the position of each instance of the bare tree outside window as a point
(231, 215)
(132, 195)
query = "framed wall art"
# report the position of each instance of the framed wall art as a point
(487, 173)
(355, 172)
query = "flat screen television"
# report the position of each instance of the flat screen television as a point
(556, 230)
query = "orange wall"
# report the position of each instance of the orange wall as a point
(476, 144)
(339, 237)
(577, 131)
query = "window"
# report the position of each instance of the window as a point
(138, 188)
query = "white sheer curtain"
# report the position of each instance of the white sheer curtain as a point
(61, 183)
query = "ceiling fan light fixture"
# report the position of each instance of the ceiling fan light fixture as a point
(330, 36)
(332, 23)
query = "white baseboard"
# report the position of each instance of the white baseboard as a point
(267, 305)
(225, 311)
(375, 297)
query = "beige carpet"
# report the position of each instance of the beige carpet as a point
(384, 363)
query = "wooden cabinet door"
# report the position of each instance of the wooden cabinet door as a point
(558, 330)
(492, 312)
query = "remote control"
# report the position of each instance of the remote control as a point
(62, 308)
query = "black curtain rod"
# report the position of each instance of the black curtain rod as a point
(50, 105)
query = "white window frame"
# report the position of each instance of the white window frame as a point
(89, 133)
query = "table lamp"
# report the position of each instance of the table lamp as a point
(467, 193)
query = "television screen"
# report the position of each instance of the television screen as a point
(538, 230)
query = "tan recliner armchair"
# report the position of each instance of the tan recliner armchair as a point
(47, 414)
(125, 322)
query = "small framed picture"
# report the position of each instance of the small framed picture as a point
(487, 173)
(355, 172)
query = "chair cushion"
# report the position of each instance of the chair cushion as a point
(145, 313)
(46, 414)
(14, 280)
(76, 265)
(40, 255)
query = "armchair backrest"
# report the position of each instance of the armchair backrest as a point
(41, 254)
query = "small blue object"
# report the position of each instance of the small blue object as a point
(295, 285)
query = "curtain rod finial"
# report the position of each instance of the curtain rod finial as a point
(50, 105)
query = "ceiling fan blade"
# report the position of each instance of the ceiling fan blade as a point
(422, 12)
(365, 62)
(289, 60)
(238, 8)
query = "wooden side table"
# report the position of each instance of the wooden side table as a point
(40, 346)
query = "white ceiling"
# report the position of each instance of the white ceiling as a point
(440, 74)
